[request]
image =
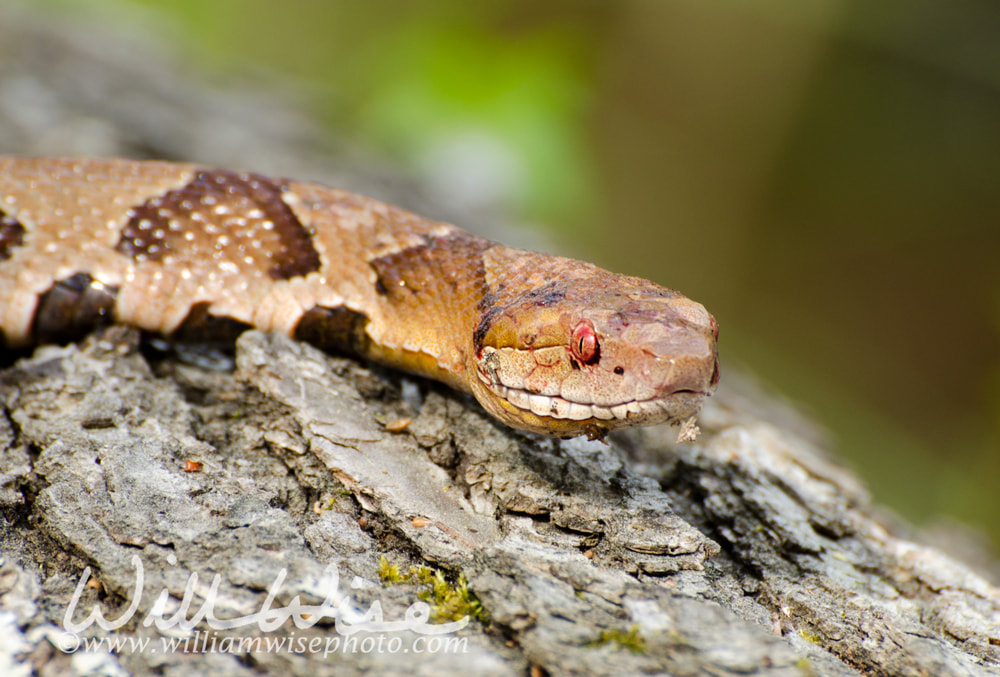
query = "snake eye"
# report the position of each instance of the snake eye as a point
(715, 328)
(583, 344)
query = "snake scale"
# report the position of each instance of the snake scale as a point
(546, 344)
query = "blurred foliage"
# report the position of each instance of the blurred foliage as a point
(468, 95)
(823, 174)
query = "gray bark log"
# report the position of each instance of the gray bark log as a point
(747, 552)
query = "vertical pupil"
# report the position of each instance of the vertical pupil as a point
(584, 344)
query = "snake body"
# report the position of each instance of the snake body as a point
(545, 343)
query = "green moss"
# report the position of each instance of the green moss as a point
(390, 573)
(630, 639)
(811, 638)
(449, 601)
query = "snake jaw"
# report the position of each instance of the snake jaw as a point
(554, 416)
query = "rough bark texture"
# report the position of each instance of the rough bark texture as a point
(748, 552)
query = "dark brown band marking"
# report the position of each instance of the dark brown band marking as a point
(11, 235)
(339, 330)
(201, 327)
(73, 308)
(239, 218)
(455, 259)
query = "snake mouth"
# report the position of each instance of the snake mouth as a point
(678, 404)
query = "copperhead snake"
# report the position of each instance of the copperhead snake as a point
(546, 344)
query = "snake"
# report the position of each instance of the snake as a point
(546, 344)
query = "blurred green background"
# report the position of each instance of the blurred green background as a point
(823, 175)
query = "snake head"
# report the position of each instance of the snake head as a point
(585, 356)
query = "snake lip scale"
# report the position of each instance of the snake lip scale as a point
(545, 343)
(557, 407)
